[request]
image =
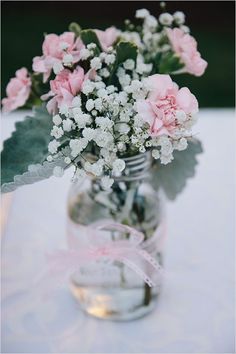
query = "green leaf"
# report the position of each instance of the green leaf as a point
(169, 63)
(35, 173)
(173, 177)
(124, 50)
(89, 36)
(75, 27)
(28, 145)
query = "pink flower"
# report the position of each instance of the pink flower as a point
(54, 48)
(64, 87)
(163, 102)
(107, 37)
(18, 91)
(185, 46)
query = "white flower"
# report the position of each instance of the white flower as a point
(110, 59)
(122, 128)
(124, 80)
(53, 146)
(166, 19)
(97, 168)
(102, 56)
(98, 104)
(155, 154)
(134, 139)
(185, 29)
(89, 133)
(147, 37)
(94, 113)
(76, 102)
(111, 89)
(99, 85)
(88, 87)
(129, 64)
(182, 144)
(142, 149)
(104, 123)
(57, 132)
(58, 171)
(148, 143)
(82, 119)
(68, 59)
(180, 116)
(121, 146)
(151, 22)
(125, 116)
(104, 152)
(179, 17)
(103, 139)
(136, 85)
(64, 109)
(84, 53)
(120, 72)
(67, 160)
(89, 105)
(102, 93)
(165, 159)
(104, 72)
(56, 119)
(97, 78)
(122, 98)
(49, 158)
(138, 121)
(91, 46)
(57, 67)
(118, 166)
(77, 146)
(166, 145)
(142, 13)
(106, 182)
(67, 125)
(141, 67)
(96, 63)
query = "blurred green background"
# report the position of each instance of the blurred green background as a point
(211, 23)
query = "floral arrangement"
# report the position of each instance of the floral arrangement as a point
(104, 95)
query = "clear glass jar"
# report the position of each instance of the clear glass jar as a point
(112, 290)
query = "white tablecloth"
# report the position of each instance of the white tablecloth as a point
(195, 310)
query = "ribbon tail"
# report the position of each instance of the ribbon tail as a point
(143, 275)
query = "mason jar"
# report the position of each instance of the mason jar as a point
(123, 279)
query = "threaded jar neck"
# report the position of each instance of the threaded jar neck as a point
(136, 167)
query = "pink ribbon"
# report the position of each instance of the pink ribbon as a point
(130, 251)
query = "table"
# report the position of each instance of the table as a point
(195, 310)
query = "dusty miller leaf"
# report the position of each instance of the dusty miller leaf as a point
(34, 174)
(28, 145)
(173, 177)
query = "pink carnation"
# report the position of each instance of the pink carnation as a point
(18, 91)
(107, 37)
(185, 46)
(54, 48)
(164, 100)
(64, 87)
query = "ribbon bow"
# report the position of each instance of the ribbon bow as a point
(95, 245)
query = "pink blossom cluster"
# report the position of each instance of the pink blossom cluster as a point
(66, 83)
(18, 91)
(165, 100)
(185, 46)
